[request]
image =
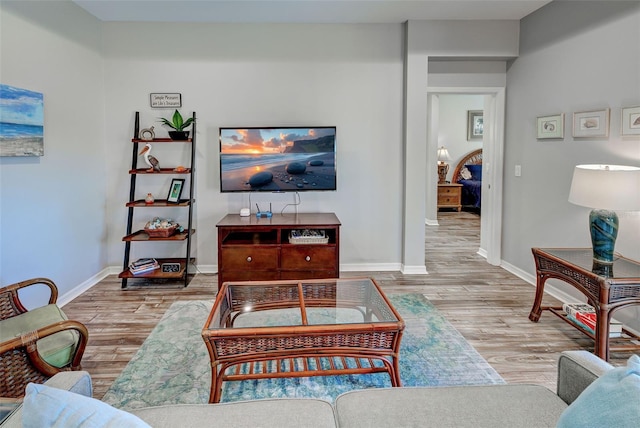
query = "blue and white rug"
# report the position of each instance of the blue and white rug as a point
(173, 366)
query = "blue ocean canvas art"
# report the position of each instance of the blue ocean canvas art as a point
(21, 122)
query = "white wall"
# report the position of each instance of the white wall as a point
(575, 56)
(349, 76)
(52, 207)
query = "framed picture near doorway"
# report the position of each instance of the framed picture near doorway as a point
(551, 127)
(475, 125)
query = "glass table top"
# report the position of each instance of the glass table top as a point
(583, 258)
(300, 303)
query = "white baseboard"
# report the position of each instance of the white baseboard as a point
(370, 267)
(414, 270)
(81, 288)
(207, 269)
(429, 222)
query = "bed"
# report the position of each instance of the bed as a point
(468, 172)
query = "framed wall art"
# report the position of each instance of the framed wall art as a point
(591, 123)
(475, 124)
(630, 121)
(175, 190)
(551, 127)
(21, 122)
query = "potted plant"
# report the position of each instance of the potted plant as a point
(178, 125)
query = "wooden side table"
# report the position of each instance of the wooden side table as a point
(607, 289)
(450, 196)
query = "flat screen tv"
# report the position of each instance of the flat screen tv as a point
(286, 159)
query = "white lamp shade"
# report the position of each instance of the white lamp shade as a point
(608, 187)
(443, 154)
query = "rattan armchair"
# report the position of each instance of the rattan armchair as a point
(38, 343)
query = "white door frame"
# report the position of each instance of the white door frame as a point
(492, 160)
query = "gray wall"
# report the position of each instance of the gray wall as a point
(349, 76)
(574, 56)
(52, 208)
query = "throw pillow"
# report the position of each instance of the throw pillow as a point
(476, 172)
(465, 174)
(612, 400)
(44, 406)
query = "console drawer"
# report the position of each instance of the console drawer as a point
(249, 257)
(308, 257)
(448, 200)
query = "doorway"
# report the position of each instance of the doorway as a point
(493, 155)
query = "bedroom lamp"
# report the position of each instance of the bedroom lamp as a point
(443, 166)
(606, 189)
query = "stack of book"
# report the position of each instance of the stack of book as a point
(141, 266)
(584, 315)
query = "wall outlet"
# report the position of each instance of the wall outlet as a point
(518, 170)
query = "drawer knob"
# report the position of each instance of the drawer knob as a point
(308, 258)
(249, 259)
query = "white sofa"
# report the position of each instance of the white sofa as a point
(463, 406)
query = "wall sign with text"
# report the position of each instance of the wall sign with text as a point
(166, 100)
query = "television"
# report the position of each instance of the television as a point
(285, 159)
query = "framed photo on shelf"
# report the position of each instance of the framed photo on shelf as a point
(630, 121)
(475, 124)
(591, 123)
(551, 127)
(175, 190)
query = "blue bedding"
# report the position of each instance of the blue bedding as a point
(471, 192)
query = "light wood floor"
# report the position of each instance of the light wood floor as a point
(487, 304)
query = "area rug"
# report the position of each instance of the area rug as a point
(172, 366)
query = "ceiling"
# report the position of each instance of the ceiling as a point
(306, 11)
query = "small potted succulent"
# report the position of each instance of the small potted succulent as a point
(177, 124)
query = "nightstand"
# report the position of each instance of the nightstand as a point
(450, 196)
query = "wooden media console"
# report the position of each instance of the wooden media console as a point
(251, 248)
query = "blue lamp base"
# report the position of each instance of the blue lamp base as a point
(604, 231)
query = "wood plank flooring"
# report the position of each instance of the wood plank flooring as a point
(486, 304)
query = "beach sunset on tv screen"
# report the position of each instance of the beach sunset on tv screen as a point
(277, 159)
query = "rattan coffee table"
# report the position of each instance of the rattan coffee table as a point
(291, 328)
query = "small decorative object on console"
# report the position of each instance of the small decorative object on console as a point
(308, 236)
(149, 200)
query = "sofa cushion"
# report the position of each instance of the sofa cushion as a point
(458, 406)
(611, 400)
(44, 406)
(56, 349)
(279, 412)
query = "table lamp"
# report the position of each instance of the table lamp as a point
(443, 166)
(606, 189)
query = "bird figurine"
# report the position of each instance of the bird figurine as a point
(149, 159)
